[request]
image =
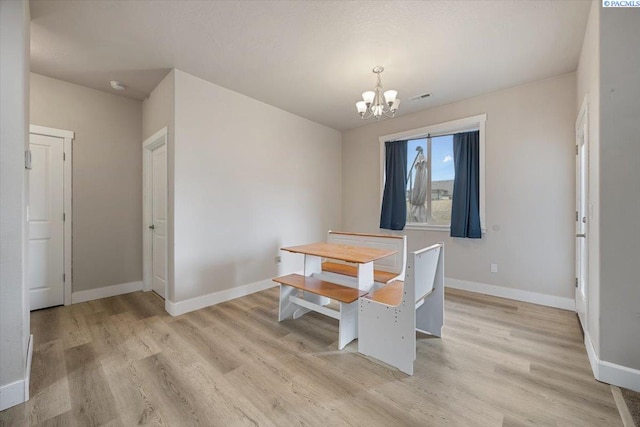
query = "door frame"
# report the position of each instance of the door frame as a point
(67, 136)
(156, 140)
(582, 125)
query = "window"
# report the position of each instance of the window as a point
(431, 172)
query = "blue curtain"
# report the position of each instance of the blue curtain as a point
(394, 199)
(465, 207)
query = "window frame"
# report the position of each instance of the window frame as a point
(454, 126)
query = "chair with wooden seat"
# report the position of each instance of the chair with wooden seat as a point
(391, 315)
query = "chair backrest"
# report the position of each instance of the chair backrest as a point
(394, 263)
(422, 269)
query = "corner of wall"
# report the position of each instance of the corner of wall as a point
(14, 125)
(588, 86)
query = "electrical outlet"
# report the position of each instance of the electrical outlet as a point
(494, 268)
(277, 259)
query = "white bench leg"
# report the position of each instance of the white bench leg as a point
(388, 334)
(287, 308)
(430, 315)
(348, 323)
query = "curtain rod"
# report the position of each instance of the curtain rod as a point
(434, 135)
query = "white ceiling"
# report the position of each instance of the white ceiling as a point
(312, 58)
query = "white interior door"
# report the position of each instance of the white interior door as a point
(159, 220)
(582, 168)
(46, 227)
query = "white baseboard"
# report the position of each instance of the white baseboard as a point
(105, 292)
(611, 373)
(510, 293)
(619, 375)
(182, 307)
(28, 368)
(591, 354)
(12, 394)
(17, 392)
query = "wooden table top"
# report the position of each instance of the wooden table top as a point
(348, 253)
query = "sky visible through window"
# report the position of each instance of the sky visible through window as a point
(442, 163)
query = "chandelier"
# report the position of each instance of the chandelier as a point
(376, 104)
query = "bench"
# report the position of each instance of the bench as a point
(391, 314)
(390, 294)
(385, 270)
(292, 306)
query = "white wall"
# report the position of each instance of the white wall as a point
(107, 177)
(14, 185)
(529, 187)
(158, 111)
(620, 188)
(588, 85)
(249, 179)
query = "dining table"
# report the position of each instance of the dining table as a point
(362, 256)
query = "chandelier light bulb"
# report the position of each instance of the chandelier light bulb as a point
(368, 97)
(390, 96)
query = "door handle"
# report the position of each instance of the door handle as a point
(581, 235)
(153, 227)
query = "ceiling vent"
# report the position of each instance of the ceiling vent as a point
(421, 97)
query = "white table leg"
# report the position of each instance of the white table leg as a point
(365, 276)
(300, 311)
(312, 264)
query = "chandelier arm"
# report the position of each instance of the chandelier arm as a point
(365, 116)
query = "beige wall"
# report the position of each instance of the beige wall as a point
(529, 186)
(14, 120)
(158, 111)
(107, 178)
(620, 188)
(588, 86)
(249, 178)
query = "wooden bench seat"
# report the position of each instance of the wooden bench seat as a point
(390, 294)
(321, 287)
(352, 271)
(314, 298)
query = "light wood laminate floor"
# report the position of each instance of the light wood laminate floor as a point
(123, 361)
